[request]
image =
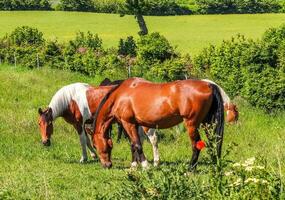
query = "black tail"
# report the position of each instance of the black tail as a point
(103, 102)
(216, 115)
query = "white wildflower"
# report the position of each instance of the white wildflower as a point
(238, 182)
(228, 173)
(259, 167)
(248, 168)
(249, 161)
(236, 165)
(254, 180)
(264, 181)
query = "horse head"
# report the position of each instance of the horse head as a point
(104, 148)
(232, 112)
(45, 124)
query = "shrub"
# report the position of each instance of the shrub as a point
(76, 5)
(127, 47)
(240, 6)
(169, 70)
(155, 47)
(254, 70)
(26, 35)
(53, 54)
(25, 5)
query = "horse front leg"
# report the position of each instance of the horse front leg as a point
(90, 147)
(83, 143)
(194, 137)
(136, 146)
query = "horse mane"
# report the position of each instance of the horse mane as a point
(225, 97)
(117, 84)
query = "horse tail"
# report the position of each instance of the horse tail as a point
(216, 115)
(225, 96)
(103, 101)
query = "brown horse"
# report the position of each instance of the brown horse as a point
(231, 117)
(76, 103)
(139, 102)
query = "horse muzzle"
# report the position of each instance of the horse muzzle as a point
(107, 165)
(46, 142)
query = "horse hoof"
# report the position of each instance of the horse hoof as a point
(134, 165)
(145, 164)
(94, 156)
(83, 160)
(155, 163)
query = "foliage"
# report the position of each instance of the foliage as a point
(251, 69)
(25, 5)
(155, 47)
(76, 5)
(237, 6)
(127, 47)
(26, 35)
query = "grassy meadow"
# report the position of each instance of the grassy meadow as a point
(30, 171)
(189, 33)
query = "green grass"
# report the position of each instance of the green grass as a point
(189, 33)
(30, 171)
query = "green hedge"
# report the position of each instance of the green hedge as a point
(254, 70)
(25, 5)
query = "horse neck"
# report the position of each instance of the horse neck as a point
(59, 104)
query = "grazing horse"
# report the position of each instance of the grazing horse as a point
(137, 102)
(76, 103)
(231, 116)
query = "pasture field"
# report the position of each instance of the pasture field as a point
(189, 33)
(30, 171)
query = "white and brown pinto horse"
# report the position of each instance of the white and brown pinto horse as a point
(137, 102)
(76, 103)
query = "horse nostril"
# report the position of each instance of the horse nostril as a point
(47, 142)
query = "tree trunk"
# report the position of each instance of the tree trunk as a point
(142, 24)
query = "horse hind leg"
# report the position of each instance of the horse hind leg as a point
(194, 137)
(151, 134)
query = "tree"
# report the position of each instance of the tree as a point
(135, 7)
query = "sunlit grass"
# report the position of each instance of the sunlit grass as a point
(189, 33)
(30, 171)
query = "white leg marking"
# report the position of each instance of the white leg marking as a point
(82, 137)
(153, 140)
(134, 164)
(144, 164)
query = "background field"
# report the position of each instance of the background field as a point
(189, 33)
(30, 171)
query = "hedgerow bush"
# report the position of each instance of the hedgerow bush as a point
(25, 5)
(127, 47)
(237, 6)
(251, 69)
(155, 47)
(26, 35)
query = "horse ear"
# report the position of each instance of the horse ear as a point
(105, 82)
(49, 113)
(40, 111)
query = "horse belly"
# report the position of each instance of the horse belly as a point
(159, 121)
